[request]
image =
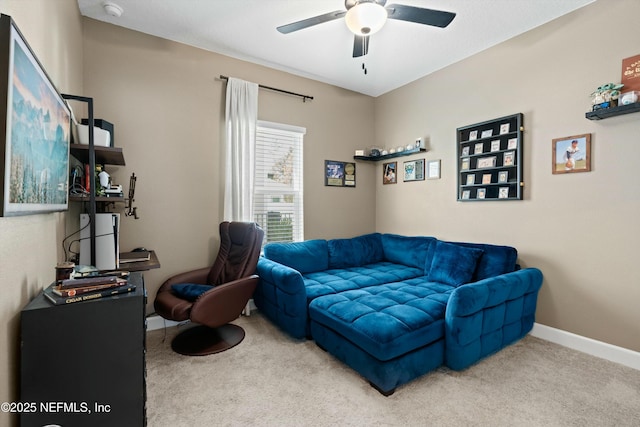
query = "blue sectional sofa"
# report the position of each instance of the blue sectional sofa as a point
(395, 307)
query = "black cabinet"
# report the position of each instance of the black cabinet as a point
(83, 364)
(490, 160)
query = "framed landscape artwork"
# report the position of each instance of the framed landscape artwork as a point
(35, 131)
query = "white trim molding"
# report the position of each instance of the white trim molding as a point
(156, 322)
(590, 346)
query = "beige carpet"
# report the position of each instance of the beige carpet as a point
(271, 380)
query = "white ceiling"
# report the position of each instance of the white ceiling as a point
(398, 54)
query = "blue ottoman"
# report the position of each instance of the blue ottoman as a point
(389, 334)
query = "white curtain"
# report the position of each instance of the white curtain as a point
(241, 117)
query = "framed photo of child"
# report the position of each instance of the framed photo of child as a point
(571, 154)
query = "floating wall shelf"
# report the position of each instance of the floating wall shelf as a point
(390, 156)
(613, 111)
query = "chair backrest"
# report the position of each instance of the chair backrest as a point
(240, 244)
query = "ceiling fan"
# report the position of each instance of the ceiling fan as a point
(365, 17)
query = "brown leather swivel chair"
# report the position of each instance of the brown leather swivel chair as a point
(232, 282)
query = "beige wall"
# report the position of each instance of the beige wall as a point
(167, 104)
(30, 245)
(580, 229)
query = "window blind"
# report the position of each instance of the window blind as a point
(278, 189)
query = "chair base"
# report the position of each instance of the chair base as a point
(202, 340)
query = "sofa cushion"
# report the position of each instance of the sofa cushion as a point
(411, 251)
(386, 321)
(355, 252)
(343, 279)
(453, 264)
(306, 257)
(190, 291)
(495, 260)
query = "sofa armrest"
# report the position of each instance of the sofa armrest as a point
(282, 297)
(485, 316)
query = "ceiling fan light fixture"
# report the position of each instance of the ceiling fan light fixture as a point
(365, 19)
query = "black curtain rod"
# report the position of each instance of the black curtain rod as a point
(304, 97)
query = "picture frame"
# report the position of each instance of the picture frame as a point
(486, 133)
(36, 131)
(504, 128)
(486, 178)
(495, 145)
(389, 173)
(339, 174)
(433, 169)
(471, 179)
(486, 162)
(481, 193)
(465, 151)
(503, 177)
(503, 193)
(466, 194)
(473, 135)
(571, 154)
(465, 164)
(512, 144)
(509, 158)
(478, 148)
(414, 170)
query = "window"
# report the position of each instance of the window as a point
(278, 186)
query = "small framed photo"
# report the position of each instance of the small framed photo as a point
(414, 170)
(478, 148)
(389, 173)
(481, 193)
(465, 151)
(466, 194)
(339, 174)
(465, 165)
(509, 158)
(503, 193)
(504, 128)
(486, 133)
(512, 144)
(495, 145)
(571, 154)
(471, 179)
(486, 162)
(486, 178)
(503, 177)
(433, 169)
(473, 135)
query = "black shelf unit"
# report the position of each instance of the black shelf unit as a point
(490, 160)
(91, 157)
(85, 353)
(605, 113)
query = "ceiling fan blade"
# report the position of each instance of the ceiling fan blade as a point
(360, 46)
(310, 22)
(437, 18)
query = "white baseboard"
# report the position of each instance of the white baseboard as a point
(156, 322)
(590, 346)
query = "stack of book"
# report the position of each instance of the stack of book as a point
(87, 288)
